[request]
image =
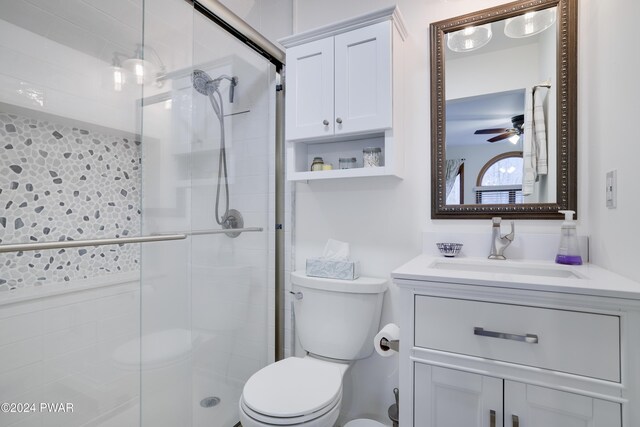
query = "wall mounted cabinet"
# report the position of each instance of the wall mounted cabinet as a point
(343, 94)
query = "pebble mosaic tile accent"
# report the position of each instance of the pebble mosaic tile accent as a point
(65, 183)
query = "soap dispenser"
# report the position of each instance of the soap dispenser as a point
(569, 251)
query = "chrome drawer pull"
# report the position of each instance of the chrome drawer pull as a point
(492, 418)
(530, 338)
(515, 421)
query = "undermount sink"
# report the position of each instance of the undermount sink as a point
(495, 267)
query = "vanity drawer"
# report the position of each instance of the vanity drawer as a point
(586, 344)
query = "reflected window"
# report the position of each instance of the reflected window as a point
(500, 180)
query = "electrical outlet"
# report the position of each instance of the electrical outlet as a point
(612, 189)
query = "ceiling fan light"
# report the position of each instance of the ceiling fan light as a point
(470, 38)
(514, 139)
(529, 24)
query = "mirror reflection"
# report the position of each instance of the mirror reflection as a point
(500, 86)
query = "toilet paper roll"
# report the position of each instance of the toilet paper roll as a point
(390, 332)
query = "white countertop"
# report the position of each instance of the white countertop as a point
(592, 280)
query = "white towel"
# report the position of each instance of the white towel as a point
(539, 130)
(529, 152)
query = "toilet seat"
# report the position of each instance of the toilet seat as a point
(293, 391)
(285, 421)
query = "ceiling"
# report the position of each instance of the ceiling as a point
(466, 115)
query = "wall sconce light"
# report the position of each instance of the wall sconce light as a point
(141, 67)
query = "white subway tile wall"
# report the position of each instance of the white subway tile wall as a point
(62, 349)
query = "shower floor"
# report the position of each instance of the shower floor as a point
(224, 414)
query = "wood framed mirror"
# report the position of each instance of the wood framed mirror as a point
(504, 80)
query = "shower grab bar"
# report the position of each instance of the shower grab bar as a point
(40, 246)
(224, 231)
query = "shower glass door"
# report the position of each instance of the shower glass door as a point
(206, 301)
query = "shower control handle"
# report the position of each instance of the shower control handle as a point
(325, 122)
(297, 295)
(339, 121)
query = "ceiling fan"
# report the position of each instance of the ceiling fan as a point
(505, 133)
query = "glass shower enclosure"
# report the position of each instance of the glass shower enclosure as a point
(137, 252)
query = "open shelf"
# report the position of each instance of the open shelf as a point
(300, 155)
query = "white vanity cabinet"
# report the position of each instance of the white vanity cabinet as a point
(494, 350)
(343, 93)
(448, 397)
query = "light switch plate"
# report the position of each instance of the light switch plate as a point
(612, 189)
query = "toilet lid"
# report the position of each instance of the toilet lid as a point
(293, 387)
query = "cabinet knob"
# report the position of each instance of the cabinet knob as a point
(325, 122)
(339, 120)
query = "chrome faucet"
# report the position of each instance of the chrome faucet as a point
(500, 243)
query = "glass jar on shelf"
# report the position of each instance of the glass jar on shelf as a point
(371, 157)
(317, 164)
(347, 162)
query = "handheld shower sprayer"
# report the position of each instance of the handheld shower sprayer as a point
(205, 85)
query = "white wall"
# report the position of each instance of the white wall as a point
(67, 347)
(608, 98)
(518, 72)
(383, 219)
(43, 75)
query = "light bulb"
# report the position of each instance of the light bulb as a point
(139, 72)
(118, 79)
(514, 139)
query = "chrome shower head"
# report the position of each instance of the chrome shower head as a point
(203, 83)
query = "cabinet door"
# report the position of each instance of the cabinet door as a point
(526, 405)
(363, 75)
(451, 398)
(309, 93)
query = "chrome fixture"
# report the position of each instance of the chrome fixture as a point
(387, 345)
(394, 409)
(210, 402)
(498, 242)
(528, 338)
(39, 246)
(204, 84)
(297, 295)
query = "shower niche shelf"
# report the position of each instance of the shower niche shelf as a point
(344, 93)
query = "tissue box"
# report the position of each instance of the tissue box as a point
(345, 270)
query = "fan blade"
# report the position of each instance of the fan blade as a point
(484, 131)
(501, 137)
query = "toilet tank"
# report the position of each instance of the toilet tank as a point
(337, 318)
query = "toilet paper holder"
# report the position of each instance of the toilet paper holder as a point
(387, 345)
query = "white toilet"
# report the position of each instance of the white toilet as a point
(336, 321)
